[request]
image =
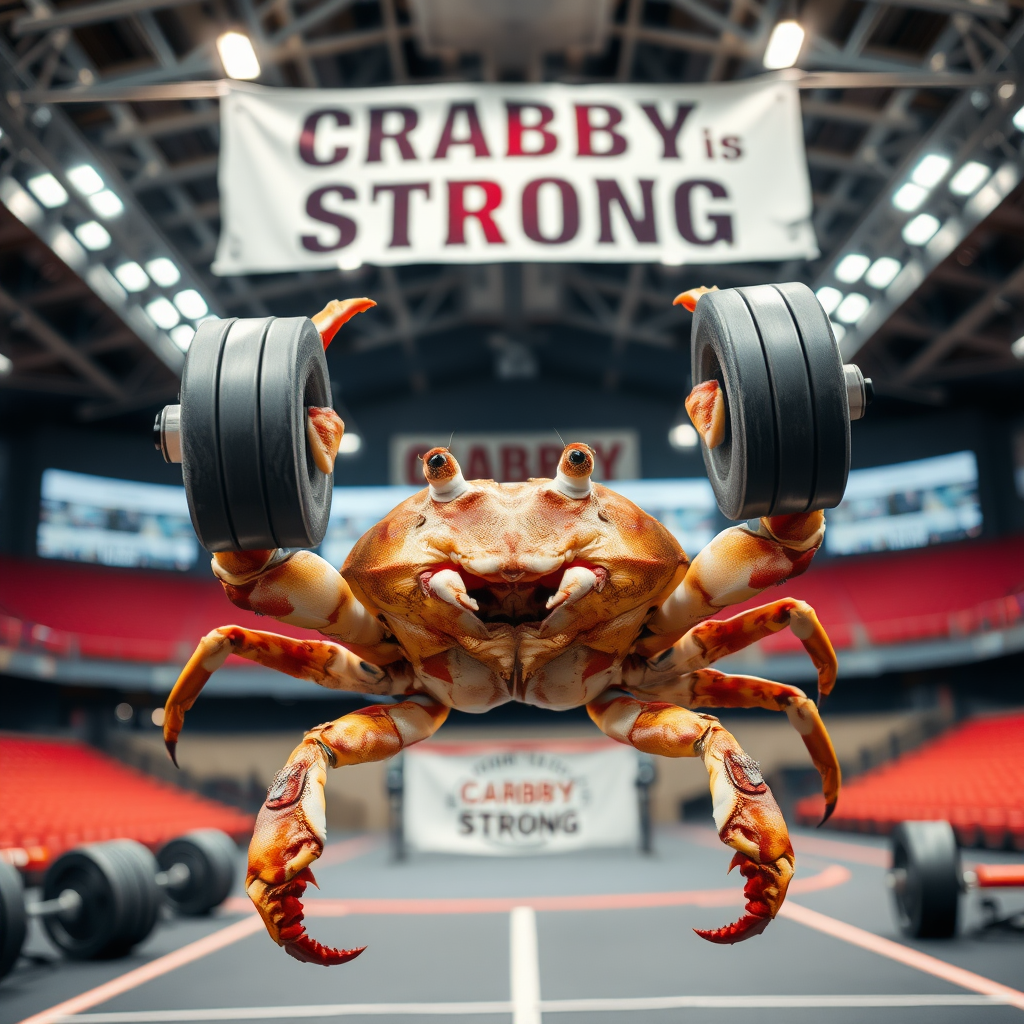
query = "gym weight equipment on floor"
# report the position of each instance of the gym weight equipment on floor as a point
(240, 434)
(926, 878)
(101, 899)
(789, 399)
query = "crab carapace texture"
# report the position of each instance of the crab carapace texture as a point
(556, 593)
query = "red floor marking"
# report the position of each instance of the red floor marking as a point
(902, 954)
(147, 972)
(828, 879)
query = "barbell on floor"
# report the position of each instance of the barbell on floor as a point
(101, 899)
(927, 879)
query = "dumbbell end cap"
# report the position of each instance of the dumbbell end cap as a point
(167, 433)
(859, 391)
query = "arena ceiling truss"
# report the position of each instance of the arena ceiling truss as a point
(129, 87)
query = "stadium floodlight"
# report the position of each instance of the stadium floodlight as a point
(351, 442)
(683, 435)
(48, 190)
(931, 169)
(909, 197)
(784, 45)
(86, 179)
(883, 272)
(106, 203)
(238, 56)
(163, 313)
(969, 178)
(1018, 120)
(131, 276)
(920, 229)
(853, 308)
(851, 268)
(191, 304)
(829, 298)
(182, 336)
(93, 235)
(163, 271)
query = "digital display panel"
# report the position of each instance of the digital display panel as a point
(85, 518)
(686, 507)
(906, 505)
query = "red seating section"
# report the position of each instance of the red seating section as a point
(970, 777)
(56, 794)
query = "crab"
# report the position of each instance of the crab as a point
(558, 593)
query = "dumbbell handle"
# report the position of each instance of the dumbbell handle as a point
(69, 902)
(994, 876)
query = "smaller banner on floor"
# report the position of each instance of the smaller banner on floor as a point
(509, 458)
(520, 798)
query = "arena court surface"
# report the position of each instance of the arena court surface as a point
(602, 936)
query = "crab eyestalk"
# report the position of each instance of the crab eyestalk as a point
(444, 476)
(575, 468)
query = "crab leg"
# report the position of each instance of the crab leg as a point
(319, 661)
(746, 814)
(291, 826)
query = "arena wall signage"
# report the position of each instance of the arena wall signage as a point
(514, 457)
(520, 797)
(467, 172)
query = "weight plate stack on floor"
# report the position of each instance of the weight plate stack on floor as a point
(787, 421)
(210, 857)
(12, 916)
(118, 907)
(249, 476)
(926, 878)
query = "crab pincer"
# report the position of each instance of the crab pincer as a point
(765, 890)
(288, 837)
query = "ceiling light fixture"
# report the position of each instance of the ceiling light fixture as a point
(851, 268)
(48, 190)
(93, 235)
(909, 197)
(931, 169)
(969, 178)
(182, 336)
(920, 229)
(883, 272)
(162, 313)
(784, 45)
(132, 277)
(853, 308)
(163, 271)
(86, 179)
(191, 304)
(829, 298)
(106, 203)
(238, 56)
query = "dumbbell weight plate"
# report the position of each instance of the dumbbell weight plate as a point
(926, 878)
(790, 396)
(829, 397)
(725, 345)
(117, 902)
(210, 856)
(12, 916)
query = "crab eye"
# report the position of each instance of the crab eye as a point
(436, 461)
(574, 469)
(576, 457)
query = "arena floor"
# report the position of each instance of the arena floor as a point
(603, 936)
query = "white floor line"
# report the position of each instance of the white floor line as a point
(730, 1002)
(525, 966)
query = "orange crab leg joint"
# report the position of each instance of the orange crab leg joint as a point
(291, 826)
(688, 300)
(746, 814)
(336, 313)
(705, 405)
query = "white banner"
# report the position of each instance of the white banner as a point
(520, 797)
(508, 458)
(470, 173)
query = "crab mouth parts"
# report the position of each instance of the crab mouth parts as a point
(513, 600)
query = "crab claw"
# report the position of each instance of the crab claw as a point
(288, 837)
(705, 405)
(324, 431)
(336, 313)
(577, 581)
(280, 906)
(765, 890)
(450, 587)
(688, 300)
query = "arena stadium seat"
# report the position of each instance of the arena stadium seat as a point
(968, 777)
(59, 793)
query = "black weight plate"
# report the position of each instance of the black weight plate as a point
(200, 438)
(139, 860)
(725, 345)
(12, 916)
(241, 445)
(926, 878)
(294, 376)
(127, 883)
(95, 929)
(828, 395)
(210, 857)
(791, 398)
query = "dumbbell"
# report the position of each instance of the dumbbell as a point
(788, 397)
(101, 899)
(926, 878)
(239, 432)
